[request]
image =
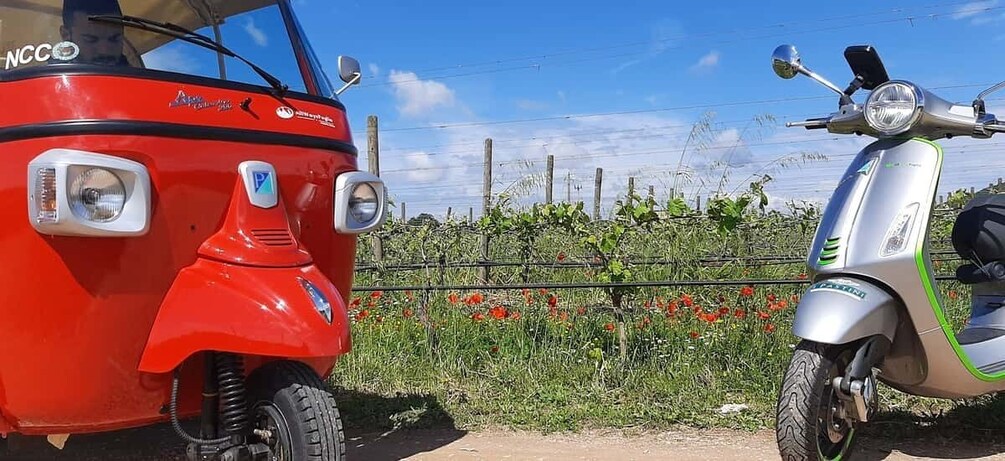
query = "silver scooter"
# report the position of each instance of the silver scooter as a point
(873, 311)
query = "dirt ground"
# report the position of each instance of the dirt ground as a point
(158, 443)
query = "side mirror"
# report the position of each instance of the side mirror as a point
(348, 69)
(785, 61)
(349, 72)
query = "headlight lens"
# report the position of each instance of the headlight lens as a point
(892, 108)
(363, 203)
(97, 195)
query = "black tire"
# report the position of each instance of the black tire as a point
(305, 420)
(801, 429)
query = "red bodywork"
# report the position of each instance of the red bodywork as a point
(92, 326)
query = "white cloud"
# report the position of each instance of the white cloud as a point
(422, 168)
(170, 58)
(976, 10)
(706, 63)
(258, 35)
(374, 70)
(418, 97)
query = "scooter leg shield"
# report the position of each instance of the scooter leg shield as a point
(842, 310)
(247, 310)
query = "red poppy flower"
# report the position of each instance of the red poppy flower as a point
(710, 318)
(686, 299)
(770, 327)
(407, 313)
(783, 304)
(525, 291)
(371, 304)
(581, 310)
(772, 297)
(747, 291)
(561, 256)
(723, 310)
(498, 312)
(355, 302)
(801, 276)
(672, 307)
(563, 316)
(763, 315)
(609, 326)
(740, 313)
(474, 298)
(362, 315)
(453, 298)
(721, 299)
(515, 315)
(494, 350)
(552, 301)
(542, 291)
(774, 307)
(376, 294)
(477, 316)
(694, 335)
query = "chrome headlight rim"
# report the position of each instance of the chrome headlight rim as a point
(345, 221)
(918, 106)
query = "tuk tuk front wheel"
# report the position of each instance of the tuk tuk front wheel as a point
(294, 414)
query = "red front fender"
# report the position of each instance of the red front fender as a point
(246, 310)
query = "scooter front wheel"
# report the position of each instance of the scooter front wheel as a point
(812, 423)
(294, 414)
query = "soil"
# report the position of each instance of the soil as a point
(158, 443)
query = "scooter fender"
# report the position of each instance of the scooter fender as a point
(263, 311)
(841, 310)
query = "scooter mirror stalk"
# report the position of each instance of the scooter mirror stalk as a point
(786, 63)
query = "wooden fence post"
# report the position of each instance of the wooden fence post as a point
(373, 159)
(486, 199)
(596, 193)
(550, 180)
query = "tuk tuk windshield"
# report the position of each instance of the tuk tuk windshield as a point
(36, 33)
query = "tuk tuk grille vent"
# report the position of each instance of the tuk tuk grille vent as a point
(273, 237)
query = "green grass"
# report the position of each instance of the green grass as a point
(558, 368)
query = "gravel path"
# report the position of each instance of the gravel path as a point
(158, 443)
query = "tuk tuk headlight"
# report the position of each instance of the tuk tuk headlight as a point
(97, 195)
(360, 202)
(363, 202)
(78, 193)
(893, 107)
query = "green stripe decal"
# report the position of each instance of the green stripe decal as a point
(827, 252)
(927, 280)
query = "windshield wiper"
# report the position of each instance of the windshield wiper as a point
(193, 37)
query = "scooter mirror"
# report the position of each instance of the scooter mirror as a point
(785, 61)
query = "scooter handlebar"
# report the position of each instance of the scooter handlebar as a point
(810, 124)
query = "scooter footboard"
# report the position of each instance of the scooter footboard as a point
(247, 310)
(841, 310)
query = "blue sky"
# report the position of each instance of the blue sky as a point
(635, 76)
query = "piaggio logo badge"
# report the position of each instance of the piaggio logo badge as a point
(285, 113)
(263, 182)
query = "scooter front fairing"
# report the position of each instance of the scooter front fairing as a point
(873, 233)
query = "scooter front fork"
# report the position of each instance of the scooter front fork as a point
(857, 388)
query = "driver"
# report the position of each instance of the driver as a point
(99, 43)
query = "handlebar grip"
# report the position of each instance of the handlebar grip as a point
(811, 124)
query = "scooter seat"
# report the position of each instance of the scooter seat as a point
(971, 274)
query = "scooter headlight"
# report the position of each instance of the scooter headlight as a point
(363, 202)
(893, 108)
(97, 194)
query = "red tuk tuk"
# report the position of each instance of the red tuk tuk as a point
(185, 203)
